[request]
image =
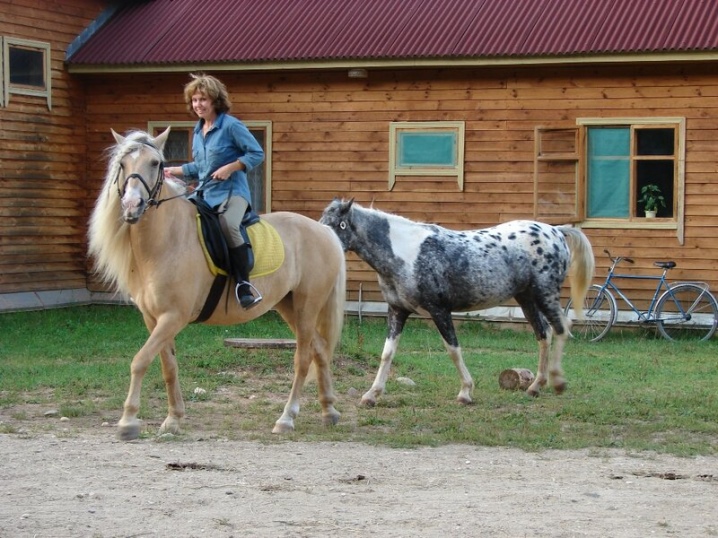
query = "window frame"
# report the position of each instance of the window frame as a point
(8, 88)
(676, 222)
(159, 126)
(458, 128)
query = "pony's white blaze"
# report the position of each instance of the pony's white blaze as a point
(406, 240)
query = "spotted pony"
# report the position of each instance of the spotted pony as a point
(426, 269)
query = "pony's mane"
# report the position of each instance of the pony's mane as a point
(108, 234)
(385, 214)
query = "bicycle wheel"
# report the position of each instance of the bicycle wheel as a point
(599, 310)
(687, 312)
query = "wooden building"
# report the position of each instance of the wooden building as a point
(550, 125)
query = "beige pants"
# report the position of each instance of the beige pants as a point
(231, 213)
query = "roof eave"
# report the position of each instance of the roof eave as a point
(400, 63)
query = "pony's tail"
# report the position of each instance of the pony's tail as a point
(582, 266)
(332, 316)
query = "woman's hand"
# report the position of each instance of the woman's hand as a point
(223, 172)
(173, 171)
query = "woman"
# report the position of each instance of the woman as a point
(224, 151)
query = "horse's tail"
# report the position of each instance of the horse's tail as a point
(582, 266)
(331, 322)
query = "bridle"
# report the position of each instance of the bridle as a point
(152, 193)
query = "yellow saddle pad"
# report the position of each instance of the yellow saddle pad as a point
(266, 244)
(267, 247)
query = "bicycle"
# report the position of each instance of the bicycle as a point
(679, 310)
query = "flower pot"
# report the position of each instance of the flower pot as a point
(650, 214)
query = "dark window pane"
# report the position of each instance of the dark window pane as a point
(655, 141)
(177, 147)
(27, 67)
(256, 176)
(659, 173)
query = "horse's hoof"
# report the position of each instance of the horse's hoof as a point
(464, 400)
(532, 392)
(283, 427)
(559, 388)
(331, 419)
(128, 432)
(170, 425)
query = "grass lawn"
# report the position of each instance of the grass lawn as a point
(631, 391)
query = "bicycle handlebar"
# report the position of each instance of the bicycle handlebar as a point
(616, 261)
(620, 258)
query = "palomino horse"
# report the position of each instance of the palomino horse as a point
(145, 244)
(424, 268)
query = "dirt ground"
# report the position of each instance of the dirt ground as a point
(86, 483)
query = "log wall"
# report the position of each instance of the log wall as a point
(42, 158)
(331, 133)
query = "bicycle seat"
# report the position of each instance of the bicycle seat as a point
(665, 265)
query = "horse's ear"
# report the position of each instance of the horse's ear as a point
(162, 138)
(118, 137)
(346, 206)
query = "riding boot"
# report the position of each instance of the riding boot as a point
(239, 260)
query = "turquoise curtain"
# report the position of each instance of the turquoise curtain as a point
(609, 150)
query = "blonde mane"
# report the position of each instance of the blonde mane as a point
(108, 234)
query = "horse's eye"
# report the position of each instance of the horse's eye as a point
(343, 225)
(155, 163)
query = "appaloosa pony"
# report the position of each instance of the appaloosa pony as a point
(145, 243)
(424, 268)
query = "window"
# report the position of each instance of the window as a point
(178, 150)
(621, 161)
(594, 173)
(426, 149)
(26, 69)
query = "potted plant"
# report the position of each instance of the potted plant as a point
(651, 198)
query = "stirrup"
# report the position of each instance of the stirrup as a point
(247, 301)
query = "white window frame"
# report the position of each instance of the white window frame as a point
(678, 221)
(456, 171)
(8, 88)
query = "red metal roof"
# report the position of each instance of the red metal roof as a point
(165, 32)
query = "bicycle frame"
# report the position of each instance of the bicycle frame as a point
(663, 287)
(679, 310)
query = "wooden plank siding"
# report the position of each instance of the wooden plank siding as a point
(43, 193)
(331, 135)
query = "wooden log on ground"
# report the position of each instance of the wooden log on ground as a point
(261, 343)
(516, 379)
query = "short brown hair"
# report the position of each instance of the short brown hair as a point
(209, 86)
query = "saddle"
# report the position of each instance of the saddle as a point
(253, 230)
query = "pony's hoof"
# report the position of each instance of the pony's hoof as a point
(532, 392)
(368, 400)
(283, 427)
(128, 432)
(464, 400)
(559, 388)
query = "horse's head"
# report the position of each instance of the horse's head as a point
(338, 216)
(138, 165)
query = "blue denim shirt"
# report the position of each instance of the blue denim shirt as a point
(227, 141)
